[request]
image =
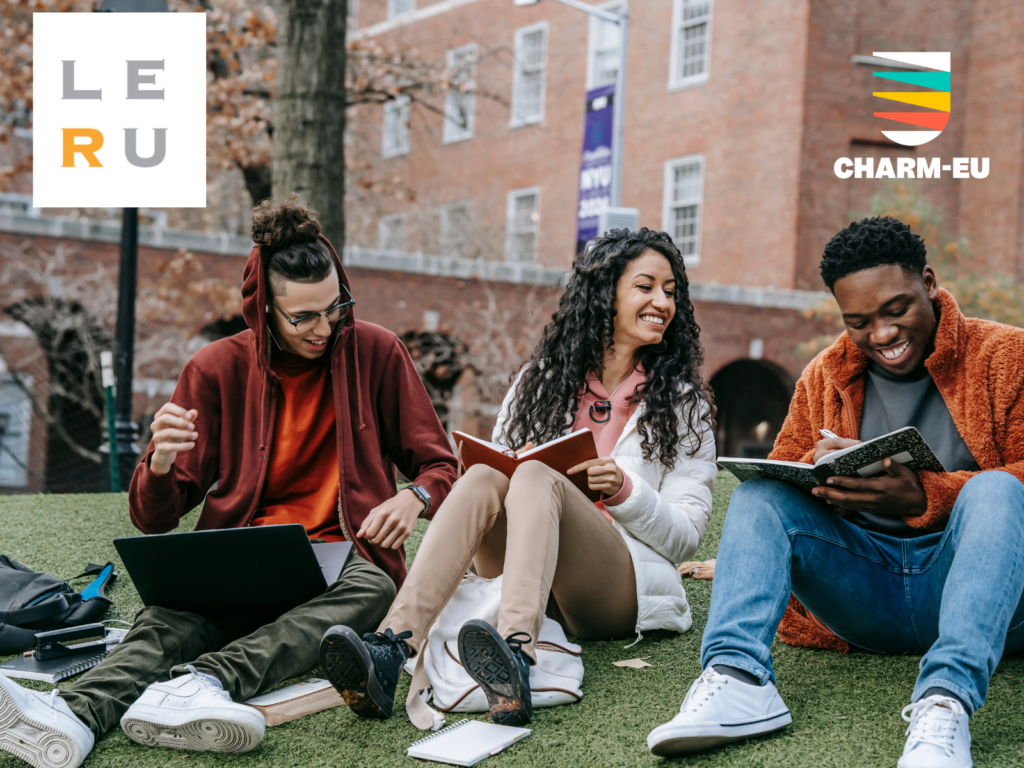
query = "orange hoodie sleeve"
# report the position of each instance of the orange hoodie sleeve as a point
(1007, 422)
(796, 441)
(157, 502)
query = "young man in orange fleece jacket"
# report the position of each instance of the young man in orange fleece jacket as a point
(925, 562)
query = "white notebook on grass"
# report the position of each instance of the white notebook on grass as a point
(467, 742)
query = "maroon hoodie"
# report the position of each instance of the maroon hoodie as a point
(383, 416)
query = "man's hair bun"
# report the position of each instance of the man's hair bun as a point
(279, 223)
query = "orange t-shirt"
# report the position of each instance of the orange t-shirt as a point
(302, 479)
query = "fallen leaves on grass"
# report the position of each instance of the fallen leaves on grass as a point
(632, 663)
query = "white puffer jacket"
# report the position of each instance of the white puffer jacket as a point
(662, 521)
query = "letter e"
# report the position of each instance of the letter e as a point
(135, 80)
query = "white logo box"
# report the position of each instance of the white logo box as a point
(102, 45)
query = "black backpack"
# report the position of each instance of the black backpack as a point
(33, 602)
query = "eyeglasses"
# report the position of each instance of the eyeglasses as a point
(308, 322)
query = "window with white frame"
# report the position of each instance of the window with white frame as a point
(460, 101)
(683, 200)
(15, 423)
(396, 127)
(352, 23)
(392, 233)
(531, 45)
(603, 49)
(399, 7)
(454, 229)
(691, 42)
(523, 224)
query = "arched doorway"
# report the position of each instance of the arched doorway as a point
(440, 360)
(72, 405)
(753, 399)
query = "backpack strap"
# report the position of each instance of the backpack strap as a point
(49, 606)
(15, 639)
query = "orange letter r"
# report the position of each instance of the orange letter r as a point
(88, 151)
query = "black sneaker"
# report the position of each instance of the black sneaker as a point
(365, 670)
(500, 668)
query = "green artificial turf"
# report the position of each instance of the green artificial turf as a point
(846, 709)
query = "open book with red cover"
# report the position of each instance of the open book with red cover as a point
(561, 455)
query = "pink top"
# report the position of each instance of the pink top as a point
(606, 417)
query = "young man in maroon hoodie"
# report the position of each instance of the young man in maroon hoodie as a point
(301, 419)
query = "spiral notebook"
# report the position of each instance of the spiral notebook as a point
(467, 742)
(50, 670)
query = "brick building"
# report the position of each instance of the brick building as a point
(735, 115)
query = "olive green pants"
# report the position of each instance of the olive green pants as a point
(244, 655)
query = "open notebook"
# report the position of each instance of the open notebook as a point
(467, 742)
(561, 455)
(904, 446)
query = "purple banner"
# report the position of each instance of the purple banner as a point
(596, 168)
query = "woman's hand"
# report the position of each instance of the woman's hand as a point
(695, 569)
(602, 475)
(173, 432)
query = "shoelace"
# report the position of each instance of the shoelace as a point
(53, 696)
(209, 682)
(387, 636)
(517, 640)
(933, 721)
(703, 688)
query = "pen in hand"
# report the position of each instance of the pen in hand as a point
(827, 433)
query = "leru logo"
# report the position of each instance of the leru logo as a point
(120, 110)
(931, 70)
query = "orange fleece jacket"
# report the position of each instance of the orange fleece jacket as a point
(978, 367)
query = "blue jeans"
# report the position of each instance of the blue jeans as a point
(953, 596)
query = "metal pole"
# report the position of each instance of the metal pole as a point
(619, 109)
(107, 369)
(124, 358)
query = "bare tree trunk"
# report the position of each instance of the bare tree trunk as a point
(309, 119)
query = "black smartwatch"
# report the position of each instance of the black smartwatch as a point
(422, 495)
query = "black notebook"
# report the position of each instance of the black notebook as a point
(904, 446)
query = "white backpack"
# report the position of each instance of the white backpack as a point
(438, 676)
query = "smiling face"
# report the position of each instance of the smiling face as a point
(889, 315)
(300, 299)
(645, 301)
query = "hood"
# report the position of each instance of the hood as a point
(843, 362)
(256, 300)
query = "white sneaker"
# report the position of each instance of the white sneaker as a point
(937, 736)
(193, 712)
(40, 728)
(719, 710)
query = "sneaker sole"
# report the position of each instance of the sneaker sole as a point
(210, 733)
(37, 743)
(683, 740)
(348, 665)
(490, 663)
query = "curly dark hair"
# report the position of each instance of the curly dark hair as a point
(288, 235)
(873, 242)
(574, 342)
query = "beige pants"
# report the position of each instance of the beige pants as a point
(547, 539)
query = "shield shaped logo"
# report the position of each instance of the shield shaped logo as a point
(929, 70)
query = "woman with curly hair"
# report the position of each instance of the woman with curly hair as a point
(622, 357)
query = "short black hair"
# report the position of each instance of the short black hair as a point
(873, 242)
